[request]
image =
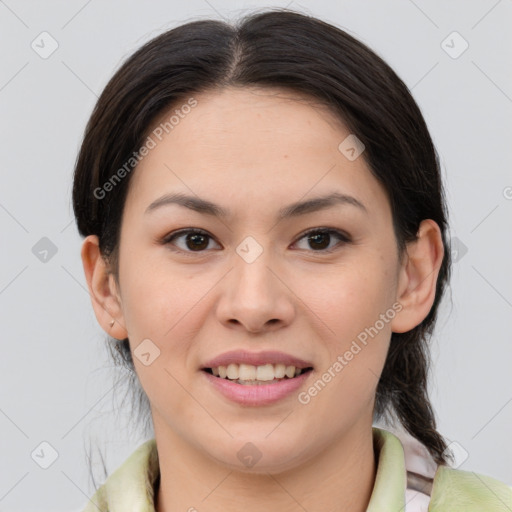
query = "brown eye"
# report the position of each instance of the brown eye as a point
(320, 239)
(194, 240)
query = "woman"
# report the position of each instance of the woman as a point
(266, 236)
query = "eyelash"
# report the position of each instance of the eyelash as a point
(329, 231)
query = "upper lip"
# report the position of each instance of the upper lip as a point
(256, 359)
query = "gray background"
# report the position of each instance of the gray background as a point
(56, 380)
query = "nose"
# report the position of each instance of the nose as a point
(255, 297)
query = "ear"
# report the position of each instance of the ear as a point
(417, 280)
(102, 289)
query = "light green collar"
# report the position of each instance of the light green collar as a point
(131, 485)
(390, 480)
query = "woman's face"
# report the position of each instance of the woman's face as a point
(252, 281)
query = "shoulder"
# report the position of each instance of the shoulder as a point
(439, 488)
(456, 489)
(132, 485)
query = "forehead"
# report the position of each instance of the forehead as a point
(248, 146)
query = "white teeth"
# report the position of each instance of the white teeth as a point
(265, 372)
(279, 371)
(232, 371)
(249, 372)
(290, 371)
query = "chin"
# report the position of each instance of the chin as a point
(259, 456)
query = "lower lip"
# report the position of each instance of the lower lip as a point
(257, 394)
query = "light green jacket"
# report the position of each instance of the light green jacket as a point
(130, 488)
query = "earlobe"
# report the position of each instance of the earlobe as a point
(102, 289)
(417, 280)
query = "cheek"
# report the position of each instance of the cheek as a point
(164, 307)
(355, 306)
(153, 298)
(349, 298)
(351, 372)
(157, 308)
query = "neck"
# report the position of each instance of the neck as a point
(340, 477)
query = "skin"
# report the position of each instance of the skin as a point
(254, 151)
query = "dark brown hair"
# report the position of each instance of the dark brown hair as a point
(302, 54)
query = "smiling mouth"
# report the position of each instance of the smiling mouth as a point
(256, 375)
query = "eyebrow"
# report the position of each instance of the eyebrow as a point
(292, 210)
